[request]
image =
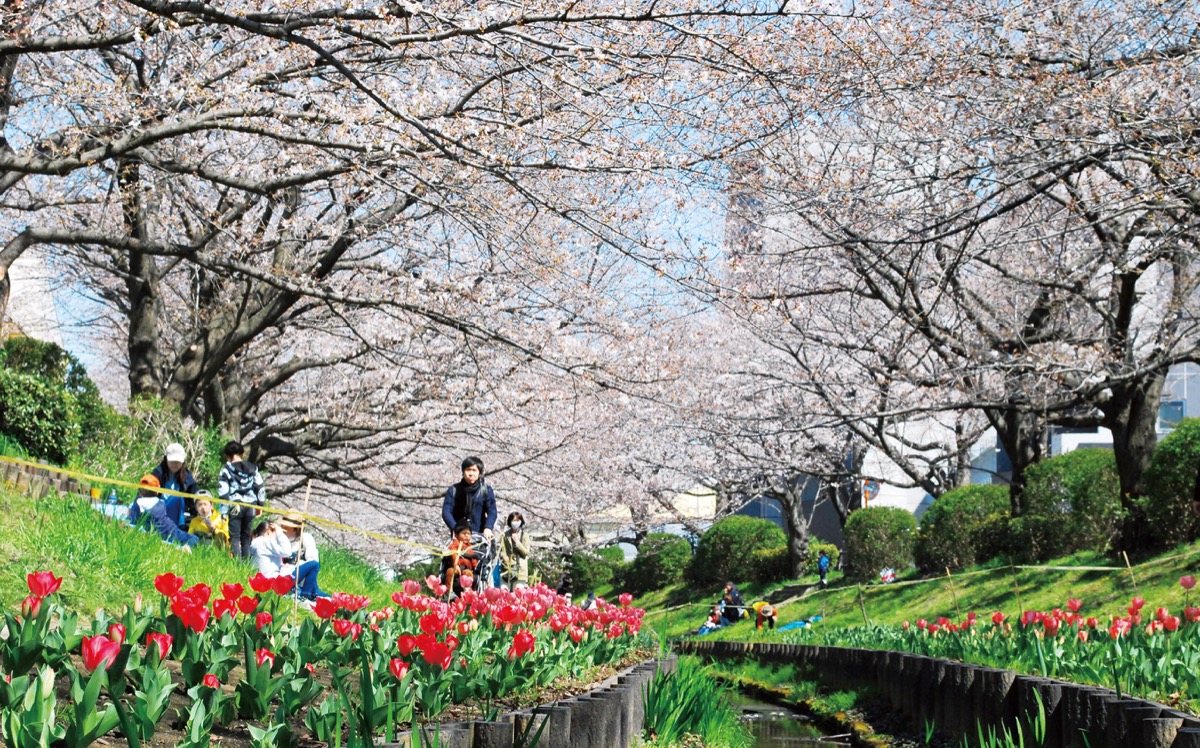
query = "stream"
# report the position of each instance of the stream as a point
(775, 726)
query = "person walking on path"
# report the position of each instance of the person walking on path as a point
(471, 500)
(514, 553)
(240, 481)
(823, 567)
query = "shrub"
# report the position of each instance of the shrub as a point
(662, 560)
(814, 555)
(1170, 482)
(588, 572)
(770, 564)
(1071, 503)
(128, 446)
(950, 530)
(879, 537)
(59, 369)
(39, 416)
(726, 550)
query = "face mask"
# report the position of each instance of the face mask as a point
(516, 525)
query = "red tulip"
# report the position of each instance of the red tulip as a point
(464, 627)
(576, 633)
(344, 628)
(116, 632)
(1083, 635)
(997, 618)
(162, 641)
(625, 599)
(1192, 614)
(1051, 624)
(42, 583)
(264, 655)
(231, 591)
(31, 606)
(905, 625)
(99, 652)
(406, 644)
(324, 608)
(282, 585)
(1074, 604)
(168, 584)
(398, 667)
(1187, 582)
(1137, 603)
(437, 653)
(211, 681)
(311, 668)
(262, 619)
(1171, 623)
(412, 587)
(523, 643)
(1161, 614)
(260, 583)
(247, 605)
(224, 607)
(200, 593)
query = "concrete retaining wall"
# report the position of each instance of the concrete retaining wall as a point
(956, 696)
(608, 716)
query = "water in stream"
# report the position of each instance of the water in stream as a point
(778, 727)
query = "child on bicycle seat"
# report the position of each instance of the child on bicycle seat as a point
(462, 559)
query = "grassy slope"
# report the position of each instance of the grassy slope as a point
(104, 563)
(1103, 593)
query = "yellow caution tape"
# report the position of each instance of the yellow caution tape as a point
(432, 550)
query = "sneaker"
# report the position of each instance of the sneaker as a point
(304, 604)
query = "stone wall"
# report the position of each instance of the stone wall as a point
(955, 696)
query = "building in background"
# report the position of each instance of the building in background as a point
(31, 308)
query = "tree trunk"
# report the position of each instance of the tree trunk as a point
(1023, 436)
(141, 284)
(1132, 416)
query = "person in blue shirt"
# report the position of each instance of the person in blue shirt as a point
(471, 500)
(172, 474)
(823, 567)
(149, 511)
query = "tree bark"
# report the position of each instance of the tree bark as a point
(1132, 417)
(1023, 436)
(141, 284)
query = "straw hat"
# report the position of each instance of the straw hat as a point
(292, 519)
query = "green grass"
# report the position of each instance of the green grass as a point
(677, 611)
(105, 563)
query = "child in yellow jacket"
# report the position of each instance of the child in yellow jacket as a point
(208, 524)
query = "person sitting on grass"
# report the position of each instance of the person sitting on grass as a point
(208, 525)
(712, 623)
(270, 549)
(461, 561)
(149, 512)
(303, 563)
(731, 612)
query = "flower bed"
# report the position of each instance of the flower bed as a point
(348, 673)
(1145, 651)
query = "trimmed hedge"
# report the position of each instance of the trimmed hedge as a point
(662, 560)
(1170, 482)
(814, 555)
(951, 529)
(877, 538)
(588, 572)
(1072, 503)
(726, 550)
(41, 417)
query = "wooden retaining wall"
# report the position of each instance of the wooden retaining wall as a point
(956, 696)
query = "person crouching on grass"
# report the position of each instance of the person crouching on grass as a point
(460, 563)
(305, 563)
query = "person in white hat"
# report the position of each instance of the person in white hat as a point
(172, 474)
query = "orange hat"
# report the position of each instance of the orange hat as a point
(149, 481)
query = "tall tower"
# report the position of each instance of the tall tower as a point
(744, 214)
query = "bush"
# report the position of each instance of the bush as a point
(60, 370)
(1071, 503)
(588, 572)
(814, 555)
(770, 564)
(726, 550)
(1170, 482)
(951, 528)
(662, 560)
(876, 538)
(130, 446)
(39, 416)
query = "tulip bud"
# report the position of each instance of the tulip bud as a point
(137, 603)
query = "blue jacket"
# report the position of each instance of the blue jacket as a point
(480, 515)
(176, 506)
(156, 517)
